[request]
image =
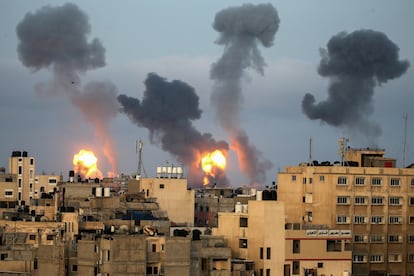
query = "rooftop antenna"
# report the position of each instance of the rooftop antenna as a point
(405, 138)
(138, 148)
(342, 148)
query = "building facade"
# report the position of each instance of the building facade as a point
(369, 196)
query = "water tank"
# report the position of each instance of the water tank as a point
(107, 192)
(259, 195)
(238, 208)
(346, 273)
(244, 208)
(98, 192)
(24, 154)
(16, 154)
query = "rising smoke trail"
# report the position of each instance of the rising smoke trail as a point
(355, 63)
(167, 111)
(56, 38)
(241, 30)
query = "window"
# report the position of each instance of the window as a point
(359, 259)
(20, 169)
(3, 256)
(31, 161)
(360, 181)
(377, 200)
(49, 237)
(304, 180)
(154, 247)
(377, 219)
(410, 257)
(411, 201)
(348, 245)
(342, 180)
(8, 193)
(359, 200)
(376, 181)
(32, 237)
(268, 253)
(20, 183)
(333, 245)
(394, 258)
(293, 178)
(296, 246)
(395, 220)
(243, 222)
(321, 178)
(242, 243)
(42, 189)
(295, 267)
(394, 239)
(161, 186)
(411, 219)
(74, 268)
(376, 259)
(410, 238)
(341, 219)
(267, 271)
(412, 182)
(343, 200)
(360, 238)
(395, 182)
(204, 265)
(359, 219)
(377, 239)
(395, 200)
(261, 253)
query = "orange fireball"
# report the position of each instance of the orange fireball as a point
(211, 163)
(85, 164)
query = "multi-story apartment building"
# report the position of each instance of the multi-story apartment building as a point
(29, 185)
(365, 194)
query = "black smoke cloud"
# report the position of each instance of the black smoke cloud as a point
(167, 111)
(355, 63)
(56, 38)
(242, 29)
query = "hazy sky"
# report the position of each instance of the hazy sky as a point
(176, 40)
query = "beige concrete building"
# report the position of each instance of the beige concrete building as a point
(256, 231)
(24, 167)
(370, 197)
(171, 193)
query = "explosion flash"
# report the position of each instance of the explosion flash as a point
(213, 164)
(85, 164)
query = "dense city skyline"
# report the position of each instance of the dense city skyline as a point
(178, 42)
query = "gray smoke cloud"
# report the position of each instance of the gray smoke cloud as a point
(355, 63)
(167, 111)
(56, 38)
(242, 29)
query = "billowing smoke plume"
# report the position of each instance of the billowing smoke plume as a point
(167, 111)
(241, 30)
(355, 63)
(56, 38)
